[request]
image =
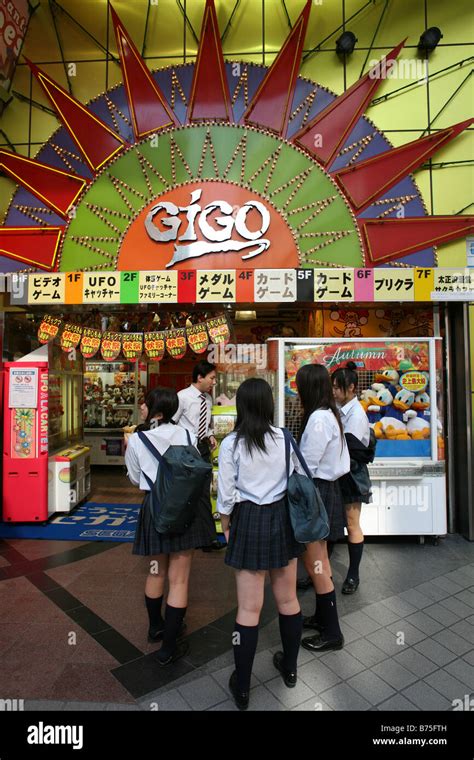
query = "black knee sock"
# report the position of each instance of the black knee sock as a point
(290, 632)
(173, 620)
(153, 607)
(355, 556)
(328, 611)
(245, 646)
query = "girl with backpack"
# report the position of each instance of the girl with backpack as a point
(252, 483)
(356, 485)
(170, 554)
(324, 448)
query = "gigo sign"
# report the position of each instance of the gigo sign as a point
(231, 226)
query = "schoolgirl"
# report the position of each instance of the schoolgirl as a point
(323, 446)
(172, 552)
(252, 484)
(356, 485)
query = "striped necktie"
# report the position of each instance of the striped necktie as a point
(202, 427)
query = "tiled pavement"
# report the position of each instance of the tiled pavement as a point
(409, 637)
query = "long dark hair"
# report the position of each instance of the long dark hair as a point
(160, 401)
(315, 392)
(345, 377)
(255, 409)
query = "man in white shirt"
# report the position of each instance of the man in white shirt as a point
(194, 414)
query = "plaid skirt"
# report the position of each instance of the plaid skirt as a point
(332, 498)
(149, 542)
(261, 537)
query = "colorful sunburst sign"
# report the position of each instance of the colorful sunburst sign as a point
(231, 164)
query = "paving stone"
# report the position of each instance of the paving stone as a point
(386, 641)
(303, 657)
(453, 642)
(169, 700)
(468, 570)
(349, 633)
(290, 697)
(416, 662)
(363, 624)
(463, 671)
(469, 657)
(381, 613)
(43, 704)
(411, 634)
(442, 614)
(203, 693)
(400, 606)
(343, 664)
(313, 705)
(85, 706)
(431, 591)
(371, 687)
(464, 629)
(227, 706)
(394, 673)
(366, 652)
(467, 597)
(414, 598)
(455, 605)
(447, 685)
(435, 651)
(123, 708)
(398, 703)
(262, 699)
(460, 578)
(263, 667)
(426, 698)
(317, 676)
(343, 697)
(447, 584)
(425, 623)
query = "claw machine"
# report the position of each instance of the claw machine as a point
(45, 462)
(401, 389)
(113, 393)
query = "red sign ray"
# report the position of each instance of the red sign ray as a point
(324, 135)
(366, 181)
(96, 141)
(387, 240)
(34, 246)
(148, 107)
(210, 96)
(271, 104)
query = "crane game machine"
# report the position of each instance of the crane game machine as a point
(46, 468)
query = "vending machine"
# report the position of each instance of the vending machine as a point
(45, 465)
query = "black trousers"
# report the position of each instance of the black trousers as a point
(205, 451)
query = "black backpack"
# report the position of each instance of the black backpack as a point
(181, 479)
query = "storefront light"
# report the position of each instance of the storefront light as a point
(245, 316)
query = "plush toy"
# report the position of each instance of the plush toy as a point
(418, 425)
(394, 422)
(387, 377)
(380, 397)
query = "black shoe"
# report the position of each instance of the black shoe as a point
(156, 634)
(304, 583)
(350, 586)
(316, 643)
(241, 698)
(215, 546)
(310, 622)
(289, 677)
(181, 649)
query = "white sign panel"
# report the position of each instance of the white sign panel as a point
(23, 388)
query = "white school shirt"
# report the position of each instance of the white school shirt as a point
(354, 420)
(326, 455)
(189, 408)
(139, 460)
(259, 477)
